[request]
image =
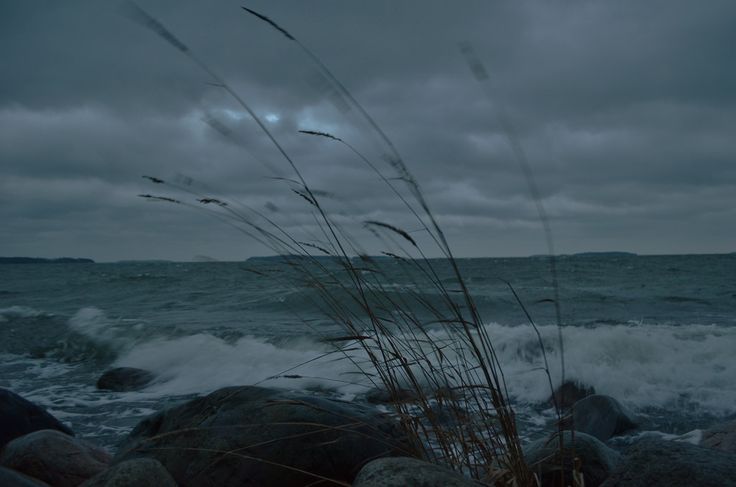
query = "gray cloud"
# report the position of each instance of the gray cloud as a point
(625, 110)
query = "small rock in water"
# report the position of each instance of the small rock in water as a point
(569, 393)
(256, 436)
(596, 459)
(406, 471)
(602, 416)
(141, 472)
(123, 379)
(11, 478)
(55, 458)
(721, 437)
(382, 396)
(658, 463)
(19, 417)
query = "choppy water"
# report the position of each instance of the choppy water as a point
(656, 332)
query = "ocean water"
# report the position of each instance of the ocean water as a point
(656, 332)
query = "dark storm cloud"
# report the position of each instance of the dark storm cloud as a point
(625, 110)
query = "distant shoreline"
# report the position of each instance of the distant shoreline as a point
(41, 260)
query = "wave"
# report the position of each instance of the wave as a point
(6, 314)
(672, 367)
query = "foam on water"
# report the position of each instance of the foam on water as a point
(673, 367)
(20, 312)
(661, 366)
(202, 363)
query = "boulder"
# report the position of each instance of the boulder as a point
(596, 459)
(141, 472)
(602, 416)
(19, 417)
(406, 471)
(658, 463)
(382, 396)
(123, 379)
(11, 478)
(721, 437)
(55, 458)
(569, 393)
(253, 436)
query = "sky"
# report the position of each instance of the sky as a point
(624, 112)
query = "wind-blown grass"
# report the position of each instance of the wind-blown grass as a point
(459, 413)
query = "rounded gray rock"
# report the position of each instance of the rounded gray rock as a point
(123, 379)
(141, 472)
(543, 458)
(602, 416)
(11, 478)
(55, 458)
(721, 437)
(253, 436)
(406, 471)
(658, 463)
(19, 417)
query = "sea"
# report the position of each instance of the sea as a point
(656, 332)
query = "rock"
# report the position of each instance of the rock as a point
(658, 463)
(11, 478)
(123, 379)
(597, 460)
(721, 437)
(569, 393)
(141, 472)
(253, 436)
(19, 417)
(602, 416)
(382, 396)
(406, 471)
(55, 458)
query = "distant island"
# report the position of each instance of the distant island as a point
(605, 254)
(40, 260)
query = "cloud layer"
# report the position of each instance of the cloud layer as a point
(625, 111)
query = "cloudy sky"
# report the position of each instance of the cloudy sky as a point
(624, 109)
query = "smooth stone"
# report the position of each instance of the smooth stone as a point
(720, 437)
(602, 416)
(406, 471)
(597, 460)
(124, 379)
(569, 393)
(19, 417)
(141, 472)
(658, 463)
(382, 396)
(55, 458)
(253, 436)
(11, 478)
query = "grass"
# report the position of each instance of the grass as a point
(459, 414)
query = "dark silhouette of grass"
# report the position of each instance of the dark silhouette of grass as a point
(457, 375)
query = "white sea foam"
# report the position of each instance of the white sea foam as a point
(20, 312)
(642, 365)
(202, 363)
(661, 366)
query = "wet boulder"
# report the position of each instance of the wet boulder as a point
(602, 416)
(721, 437)
(124, 379)
(596, 460)
(11, 478)
(405, 471)
(569, 393)
(141, 472)
(658, 463)
(253, 436)
(55, 458)
(19, 417)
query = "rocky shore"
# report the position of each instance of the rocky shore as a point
(254, 436)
